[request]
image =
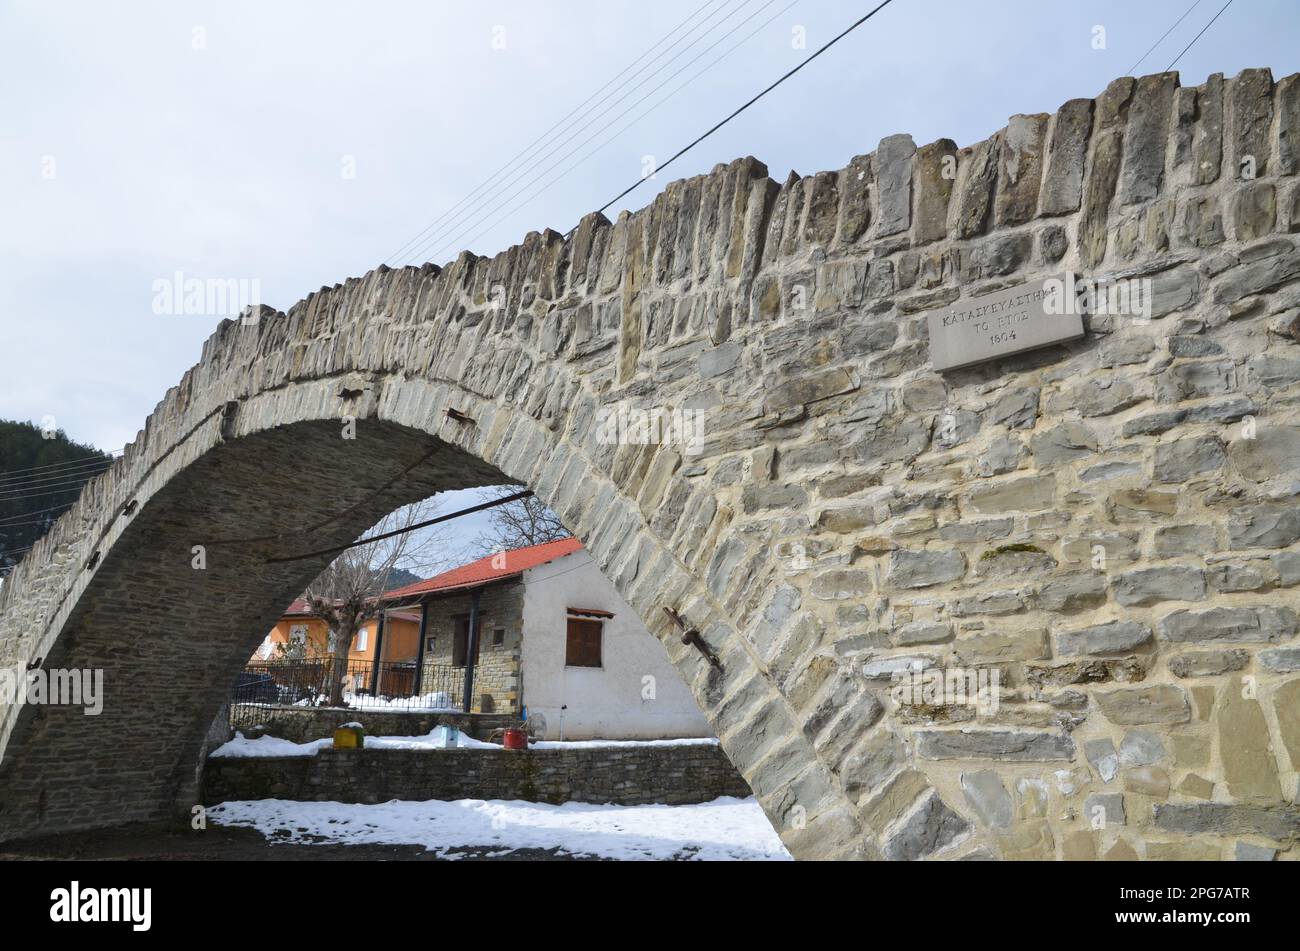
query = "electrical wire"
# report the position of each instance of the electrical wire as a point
(579, 163)
(1162, 38)
(455, 243)
(22, 492)
(53, 508)
(682, 151)
(38, 495)
(1198, 36)
(559, 126)
(40, 472)
(403, 531)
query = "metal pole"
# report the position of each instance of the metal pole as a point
(419, 657)
(379, 653)
(471, 650)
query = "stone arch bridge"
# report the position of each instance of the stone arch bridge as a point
(1108, 524)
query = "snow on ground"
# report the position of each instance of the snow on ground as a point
(724, 829)
(269, 746)
(571, 744)
(274, 746)
(436, 702)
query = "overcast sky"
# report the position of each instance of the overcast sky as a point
(300, 143)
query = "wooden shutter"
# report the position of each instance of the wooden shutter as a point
(582, 647)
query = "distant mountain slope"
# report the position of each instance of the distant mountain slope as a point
(39, 479)
(400, 578)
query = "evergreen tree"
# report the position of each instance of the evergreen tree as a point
(41, 475)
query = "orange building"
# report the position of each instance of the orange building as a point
(401, 639)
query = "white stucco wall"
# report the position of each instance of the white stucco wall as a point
(606, 702)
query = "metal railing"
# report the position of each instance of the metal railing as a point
(265, 691)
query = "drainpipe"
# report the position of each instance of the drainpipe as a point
(419, 656)
(471, 650)
(379, 653)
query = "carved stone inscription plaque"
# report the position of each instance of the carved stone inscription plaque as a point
(997, 325)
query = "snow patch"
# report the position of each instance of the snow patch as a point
(724, 829)
(274, 746)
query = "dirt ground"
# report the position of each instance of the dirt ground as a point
(219, 843)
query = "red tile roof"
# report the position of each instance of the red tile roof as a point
(481, 572)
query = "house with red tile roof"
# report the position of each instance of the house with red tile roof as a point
(547, 635)
(536, 632)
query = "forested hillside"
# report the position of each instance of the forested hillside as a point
(39, 478)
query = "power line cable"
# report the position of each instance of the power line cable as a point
(5, 569)
(1198, 36)
(455, 243)
(96, 454)
(560, 126)
(52, 467)
(402, 531)
(1162, 38)
(682, 151)
(53, 475)
(38, 489)
(49, 519)
(461, 222)
(60, 479)
(332, 518)
(54, 480)
(579, 163)
(790, 73)
(544, 137)
(53, 508)
(37, 495)
(6, 474)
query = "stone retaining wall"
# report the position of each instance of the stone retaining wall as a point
(627, 775)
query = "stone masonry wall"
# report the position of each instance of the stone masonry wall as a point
(1109, 524)
(497, 678)
(626, 775)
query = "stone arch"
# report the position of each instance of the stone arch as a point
(848, 512)
(242, 480)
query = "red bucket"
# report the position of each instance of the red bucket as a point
(515, 740)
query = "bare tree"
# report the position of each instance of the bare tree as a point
(518, 524)
(349, 590)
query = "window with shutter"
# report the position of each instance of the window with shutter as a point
(582, 647)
